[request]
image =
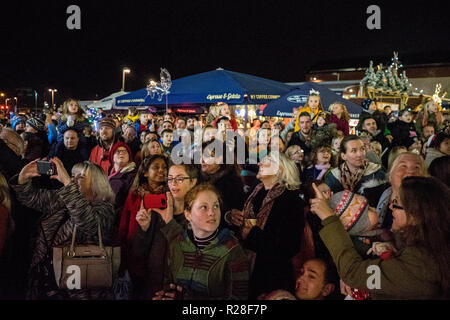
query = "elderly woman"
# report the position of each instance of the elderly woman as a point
(86, 200)
(406, 164)
(121, 175)
(419, 268)
(272, 224)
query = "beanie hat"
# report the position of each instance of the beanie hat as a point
(107, 122)
(353, 211)
(15, 121)
(36, 124)
(366, 103)
(116, 146)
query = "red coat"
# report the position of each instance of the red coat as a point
(341, 124)
(127, 231)
(100, 156)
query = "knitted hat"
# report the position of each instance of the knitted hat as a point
(366, 103)
(36, 124)
(16, 120)
(107, 122)
(117, 146)
(353, 211)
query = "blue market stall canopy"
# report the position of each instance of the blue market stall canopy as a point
(282, 107)
(211, 87)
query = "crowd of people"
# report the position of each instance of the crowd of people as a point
(204, 209)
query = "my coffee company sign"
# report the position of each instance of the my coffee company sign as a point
(300, 99)
(297, 99)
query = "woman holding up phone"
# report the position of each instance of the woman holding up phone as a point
(149, 187)
(149, 242)
(85, 200)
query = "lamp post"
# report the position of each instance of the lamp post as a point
(15, 108)
(125, 70)
(53, 96)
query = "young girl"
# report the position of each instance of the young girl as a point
(321, 157)
(206, 262)
(340, 116)
(429, 115)
(313, 106)
(225, 111)
(72, 117)
(336, 150)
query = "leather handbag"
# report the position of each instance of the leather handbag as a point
(86, 266)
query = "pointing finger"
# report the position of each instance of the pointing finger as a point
(319, 194)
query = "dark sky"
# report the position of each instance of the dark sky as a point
(279, 40)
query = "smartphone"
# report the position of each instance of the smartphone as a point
(155, 201)
(46, 167)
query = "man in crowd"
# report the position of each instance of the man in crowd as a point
(107, 138)
(302, 137)
(316, 281)
(370, 125)
(71, 151)
(130, 138)
(167, 141)
(181, 123)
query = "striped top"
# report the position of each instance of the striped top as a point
(202, 243)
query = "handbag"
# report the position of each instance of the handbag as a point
(86, 266)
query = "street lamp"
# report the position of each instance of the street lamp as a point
(15, 108)
(125, 70)
(53, 95)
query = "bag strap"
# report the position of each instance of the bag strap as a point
(72, 245)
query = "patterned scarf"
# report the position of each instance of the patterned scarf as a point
(350, 180)
(266, 206)
(145, 189)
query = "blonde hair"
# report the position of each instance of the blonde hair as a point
(5, 196)
(145, 149)
(100, 189)
(289, 175)
(65, 110)
(345, 115)
(423, 167)
(290, 150)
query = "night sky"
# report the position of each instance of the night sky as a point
(279, 40)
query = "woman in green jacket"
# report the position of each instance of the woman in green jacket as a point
(420, 267)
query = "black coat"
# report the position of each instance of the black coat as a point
(276, 245)
(400, 132)
(230, 186)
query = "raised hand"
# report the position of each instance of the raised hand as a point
(28, 172)
(319, 204)
(61, 172)
(167, 213)
(143, 217)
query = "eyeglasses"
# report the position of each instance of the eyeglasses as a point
(177, 180)
(119, 151)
